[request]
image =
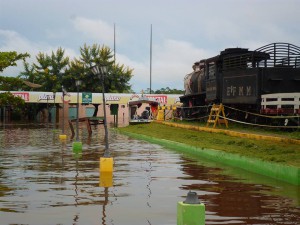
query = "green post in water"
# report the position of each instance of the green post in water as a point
(191, 211)
(77, 146)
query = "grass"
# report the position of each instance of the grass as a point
(288, 133)
(279, 152)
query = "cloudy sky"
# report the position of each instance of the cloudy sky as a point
(183, 31)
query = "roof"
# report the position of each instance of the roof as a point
(142, 100)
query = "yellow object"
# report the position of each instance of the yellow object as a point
(214, 116)
(160, 115)
(62, 137)
(106, 179)
(106, 164)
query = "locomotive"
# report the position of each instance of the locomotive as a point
(264, 81)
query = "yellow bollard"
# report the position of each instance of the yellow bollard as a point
(62, 137)
(106, 164)
(106, 179)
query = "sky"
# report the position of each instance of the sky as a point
(183, 31)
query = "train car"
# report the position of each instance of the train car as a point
(239, 78)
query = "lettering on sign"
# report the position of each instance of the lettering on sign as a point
(112, 98)
(23, 95)
(163, 99)
(134, 96)
(211, 88)
(233, 91)
(45, 97)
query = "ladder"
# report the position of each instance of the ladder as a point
(214, 116)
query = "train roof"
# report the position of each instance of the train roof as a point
(278, 54)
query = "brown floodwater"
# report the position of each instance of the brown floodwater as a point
(43, 182)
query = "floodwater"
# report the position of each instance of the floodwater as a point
(43, 182)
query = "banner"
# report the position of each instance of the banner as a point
(87, 97)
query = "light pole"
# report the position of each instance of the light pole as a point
(77, 83)
(101, 71)
(54, 107)
(63, 136)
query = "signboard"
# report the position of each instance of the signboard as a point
(23, 95)
(87, 97)
(91, 98)
(240, 89)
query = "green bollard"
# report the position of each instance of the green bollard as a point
(77, 146)
(191, 211)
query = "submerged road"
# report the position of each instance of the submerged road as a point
(43, 182)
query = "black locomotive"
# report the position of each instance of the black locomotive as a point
(239, 78)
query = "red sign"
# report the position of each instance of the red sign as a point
(163, 99)
(23, 95)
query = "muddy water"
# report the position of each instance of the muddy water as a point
(43, 182)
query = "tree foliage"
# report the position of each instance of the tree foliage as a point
(47, 71)
(8, 99)
(10, 84)
(166, 90)
(116, 80)
(53, 71)
(9, 59)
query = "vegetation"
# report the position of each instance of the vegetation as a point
(166, 90)
(8, 99)
(10, 83)
(280, 132)
(55, 70)
(9, 59)
(15, 103)
(284, 153)
(52, 71)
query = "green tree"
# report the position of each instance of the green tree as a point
(8, 99)
(168, 90)
(16, 104)
(10, 84)
(50, 69)
(29, 75)
(9, 59)
(116, 80)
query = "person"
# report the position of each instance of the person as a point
(145, 114)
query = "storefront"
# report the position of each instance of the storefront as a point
(55, 102)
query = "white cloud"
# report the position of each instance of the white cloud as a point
(95, 29)
(182, 35)
(12, 41)
(171, 61)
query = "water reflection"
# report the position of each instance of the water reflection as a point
(43, 182)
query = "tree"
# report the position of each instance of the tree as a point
(8, 99)
(168, 90)
(9, 59)
(116, 80)
(55, 70)
(15, 103)
(10, 84)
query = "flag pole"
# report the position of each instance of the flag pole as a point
(151, 59)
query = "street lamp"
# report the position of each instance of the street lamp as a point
(64, 92)
(101, 71)
(54, 107)
(77, 83)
